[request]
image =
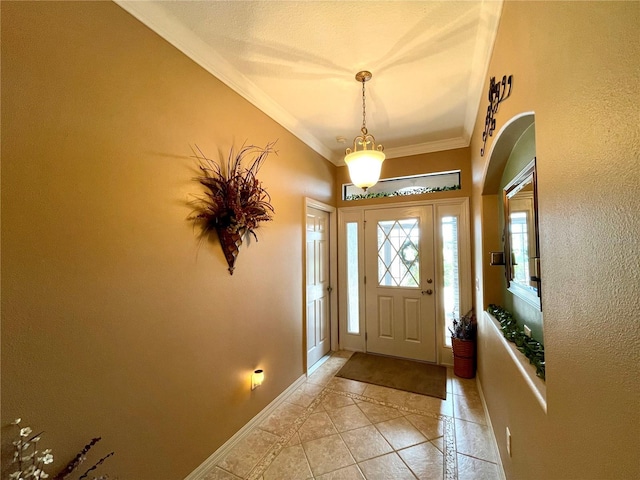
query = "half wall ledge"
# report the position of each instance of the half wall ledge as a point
(528, 371)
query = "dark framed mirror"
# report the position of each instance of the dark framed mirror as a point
(521, 242)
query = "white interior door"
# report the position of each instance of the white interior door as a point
(318, 289)
(399, 274)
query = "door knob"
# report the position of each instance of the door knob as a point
(429, 280)
(428, 292)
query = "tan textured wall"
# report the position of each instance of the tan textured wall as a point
(576, 65)
(115, 321)
(457, 159)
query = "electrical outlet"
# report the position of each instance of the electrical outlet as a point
(527, 331)
(508, 441)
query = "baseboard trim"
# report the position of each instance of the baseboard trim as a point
(217, 456)
(490, 425)
(319, 363)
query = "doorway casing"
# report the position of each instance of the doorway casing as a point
(333, 278)
(357, 341)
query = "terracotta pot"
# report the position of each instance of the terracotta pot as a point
(230, 242)
(464, 357)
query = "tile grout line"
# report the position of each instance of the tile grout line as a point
(449, 444)
(339, 433)
(270, 456)
(306, 457)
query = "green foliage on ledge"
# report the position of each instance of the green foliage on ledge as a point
(362, 196)
(532, 349)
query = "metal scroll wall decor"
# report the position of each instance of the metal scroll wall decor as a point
(498, 93)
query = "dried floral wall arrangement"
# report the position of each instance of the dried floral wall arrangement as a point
(235, 202)
(31, 463)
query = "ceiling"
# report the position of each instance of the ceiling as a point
(297, 60)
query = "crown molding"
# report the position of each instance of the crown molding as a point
(157, 19)
(417, 149)
(427, 147)
(491, 11)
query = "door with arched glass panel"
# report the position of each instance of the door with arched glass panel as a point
(400, 286)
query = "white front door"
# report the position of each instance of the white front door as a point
(399, 274)
(318, 303)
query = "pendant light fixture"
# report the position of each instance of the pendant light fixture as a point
(365, 160)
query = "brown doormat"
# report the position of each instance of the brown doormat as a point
(407, 375)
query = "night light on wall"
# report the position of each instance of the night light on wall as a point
(257, 378)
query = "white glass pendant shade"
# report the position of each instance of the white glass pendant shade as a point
(365, 160)
(364, 167)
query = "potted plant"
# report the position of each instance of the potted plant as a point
(463, 343)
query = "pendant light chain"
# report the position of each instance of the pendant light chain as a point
(365, 158)
(364, 111)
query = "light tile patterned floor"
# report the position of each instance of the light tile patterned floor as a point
(333, 428)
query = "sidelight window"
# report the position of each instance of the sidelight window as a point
(451, 272)
(353, 298)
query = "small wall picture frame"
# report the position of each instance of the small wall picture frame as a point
(497, 258)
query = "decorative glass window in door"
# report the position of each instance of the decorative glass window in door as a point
(399, 253)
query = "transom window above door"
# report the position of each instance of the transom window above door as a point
(403, 186)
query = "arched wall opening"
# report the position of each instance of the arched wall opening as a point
(492, 241)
